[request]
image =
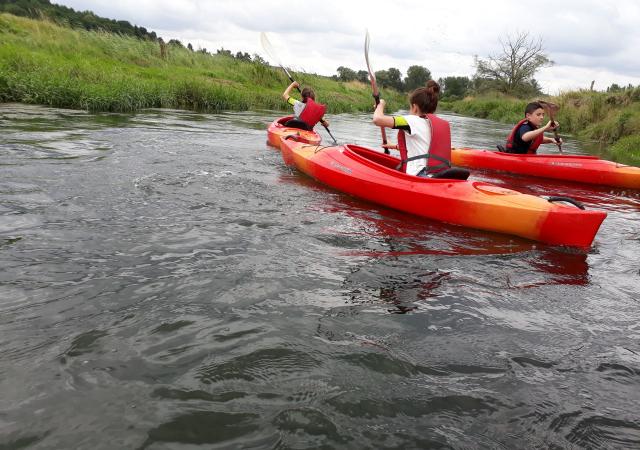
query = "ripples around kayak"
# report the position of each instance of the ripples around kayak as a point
(168, 282)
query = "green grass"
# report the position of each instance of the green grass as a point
(44, 63)
(608, 122)
(625, 150)
(47, 64)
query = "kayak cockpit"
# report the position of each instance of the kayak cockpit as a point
(376, 159)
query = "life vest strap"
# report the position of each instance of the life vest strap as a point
(445, 162)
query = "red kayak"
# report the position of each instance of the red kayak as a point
(584, 169)
(371, 175)
(277, 131)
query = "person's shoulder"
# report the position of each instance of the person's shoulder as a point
(415, 121)
(525, 127)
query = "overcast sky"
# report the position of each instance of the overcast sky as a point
(587, 39)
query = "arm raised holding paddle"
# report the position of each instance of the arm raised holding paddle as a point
(552, 110)
(528, 134)
(310, 112)
(307, 112)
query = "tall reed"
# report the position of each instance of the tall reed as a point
(44, 63)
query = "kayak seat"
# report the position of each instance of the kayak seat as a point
(297, 123)
(453, 173)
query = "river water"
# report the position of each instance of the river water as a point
(167, 282)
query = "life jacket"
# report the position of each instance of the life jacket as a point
(439, 148)
(533, 146)
(312, 112)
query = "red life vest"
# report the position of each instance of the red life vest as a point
(535, 143)
(312, 112)
(440, 144)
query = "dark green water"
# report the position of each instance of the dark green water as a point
(167, 282)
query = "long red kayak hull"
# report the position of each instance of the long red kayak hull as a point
(583, 169)
(370, 175)
(277, 131)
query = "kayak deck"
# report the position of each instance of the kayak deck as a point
(277, 130)
(579, 168)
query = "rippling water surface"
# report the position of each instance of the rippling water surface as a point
(167, 282)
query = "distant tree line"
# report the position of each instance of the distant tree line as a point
(37, 9)
(452, 87)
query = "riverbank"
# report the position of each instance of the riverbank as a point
(44, 63)
(609, 122)
(47, 64)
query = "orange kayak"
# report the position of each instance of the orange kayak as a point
(371, 175)
(584, 169)
(277, 131)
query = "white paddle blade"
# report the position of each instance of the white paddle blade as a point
(366, 56)
(266, 44)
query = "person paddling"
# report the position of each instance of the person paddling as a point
(307, 113)
(424, 140)
(528, 134)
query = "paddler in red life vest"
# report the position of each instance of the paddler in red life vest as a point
(527, 135)
(307, 113)
(420, 133)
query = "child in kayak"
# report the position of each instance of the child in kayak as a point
(424, 140)
(307, 113)
(527, 135)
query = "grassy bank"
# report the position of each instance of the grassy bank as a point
(608, 121)
(43, 63)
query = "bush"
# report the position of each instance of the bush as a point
(626, 150)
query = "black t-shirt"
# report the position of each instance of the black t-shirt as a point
(520, 146)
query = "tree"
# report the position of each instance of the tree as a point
(363, 76)
(382, 78)
(259, 59)
(513, 70)
(614, 88)
(395, 78)
(417, 76)
(346, 74)
(390, 78)
(454, 87)
(243, 56)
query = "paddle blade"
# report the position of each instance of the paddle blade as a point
(366, 57)
(550, 108)
(266, 44)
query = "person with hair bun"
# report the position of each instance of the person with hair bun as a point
(528, 134)
(424, 140)
(306, 113)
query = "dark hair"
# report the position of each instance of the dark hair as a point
(426, 97)
(306, 93)
(531, 107)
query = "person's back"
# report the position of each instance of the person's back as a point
(416, 131)
(307, 113)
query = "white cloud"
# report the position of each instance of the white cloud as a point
(587, 39)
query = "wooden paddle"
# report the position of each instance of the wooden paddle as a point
(552, 109)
